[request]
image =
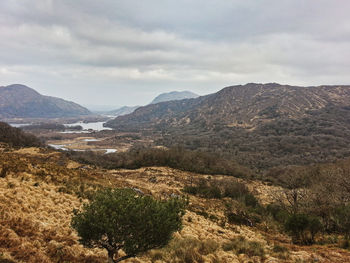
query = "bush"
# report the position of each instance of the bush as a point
(188, 250)
(279, 249)
(342, 218)
(175, 157)
(235, 190)
(239, 191)
(4, 171)
(278, 213)
(243, 216)
(204, 188)
(122, 219)
(250, 200)
(242, 246)
(303, 228)
(239, 218)
(280, 252)
(223, 188)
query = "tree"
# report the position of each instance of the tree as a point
(303, 228)
(295, 194)
(124, 219)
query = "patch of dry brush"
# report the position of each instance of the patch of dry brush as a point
(40, 188)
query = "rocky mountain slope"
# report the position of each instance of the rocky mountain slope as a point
(279, 123)
(174, 95)
(20, 101)
(242, 106)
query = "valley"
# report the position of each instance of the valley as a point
(174, 131)
(251, 160)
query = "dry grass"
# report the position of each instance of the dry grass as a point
(35, 224)
(41, 188)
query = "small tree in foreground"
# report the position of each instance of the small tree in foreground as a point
(123, 219)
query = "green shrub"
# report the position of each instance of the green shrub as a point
(239, 218)
(204, 188)
(278, 213)
(192, 190)
(235, 190)
(250, 200)
(122, 219)
(342, 219)
(303, 228)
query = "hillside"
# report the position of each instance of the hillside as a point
(264, 125)
(174, 95)
(122, 111)
(16, 137)
(40, 189)
(19, 101)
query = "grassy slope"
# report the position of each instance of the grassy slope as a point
(42, 188)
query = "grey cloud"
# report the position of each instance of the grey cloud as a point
(137, 49)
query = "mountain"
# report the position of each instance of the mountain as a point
(122, 111)
(263, 125)
(240, 106)
(174, 95)
(23, 102)
(171, 96)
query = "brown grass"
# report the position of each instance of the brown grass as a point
(41, 188)
(35, 224)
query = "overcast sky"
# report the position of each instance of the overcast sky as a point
(125, 52)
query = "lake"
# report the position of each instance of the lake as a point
(87, 127)
(95, 126)
(64, 148)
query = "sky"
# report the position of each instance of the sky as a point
(126, 52)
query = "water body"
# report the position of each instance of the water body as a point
(64, 148)
(87, 127)
(76, 132)
(19, 125)
(110, 151)
(91, 140)
(59, 147)
(95, 126)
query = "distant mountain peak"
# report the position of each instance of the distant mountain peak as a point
(174, 95)
(21, 101)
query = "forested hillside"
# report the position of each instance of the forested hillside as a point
(262, 125)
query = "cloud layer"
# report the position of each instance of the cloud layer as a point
(119, 52)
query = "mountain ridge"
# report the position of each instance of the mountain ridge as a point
(242, 105)
(260, 125)
(174, 95)
(18, 100)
